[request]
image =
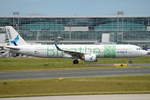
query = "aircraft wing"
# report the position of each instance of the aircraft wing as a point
(74, 54)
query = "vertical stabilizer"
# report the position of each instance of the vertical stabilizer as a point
(14, 37)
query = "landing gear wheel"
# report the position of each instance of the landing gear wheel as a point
(75, 61)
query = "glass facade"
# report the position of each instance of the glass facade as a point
(122, 29)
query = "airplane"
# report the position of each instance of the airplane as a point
(77, 52)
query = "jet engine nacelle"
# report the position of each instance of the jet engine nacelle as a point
(90, 57)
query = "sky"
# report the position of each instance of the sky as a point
(74, 7)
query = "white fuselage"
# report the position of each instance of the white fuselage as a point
(109, 51)
(84, 52)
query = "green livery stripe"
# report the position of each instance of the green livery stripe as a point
(109, 51)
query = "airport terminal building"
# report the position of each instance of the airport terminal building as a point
(83, 30)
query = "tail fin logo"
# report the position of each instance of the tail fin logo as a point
(15, 40)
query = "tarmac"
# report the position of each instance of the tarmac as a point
(89, 72)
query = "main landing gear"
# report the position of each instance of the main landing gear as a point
(76, 61)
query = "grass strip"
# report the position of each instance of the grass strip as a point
(22, 64)
(74, 86)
